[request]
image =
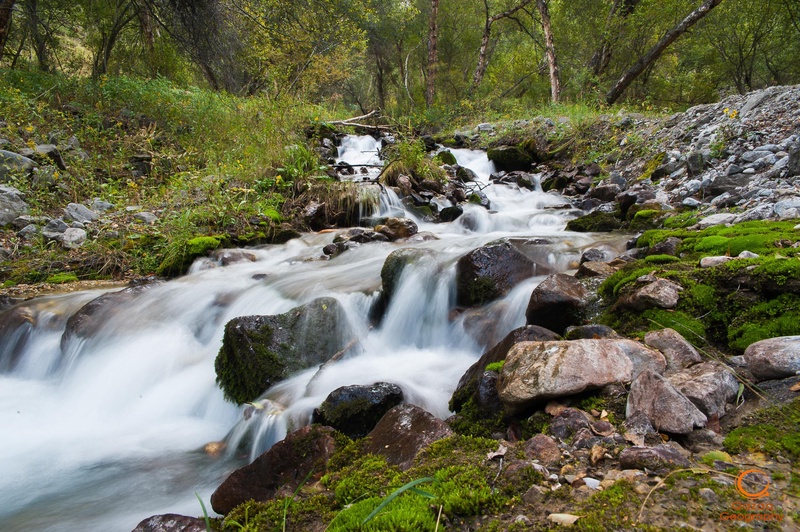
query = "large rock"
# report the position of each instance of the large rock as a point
(678, 352)
(536, 371)
(659, 293)
(490, 272)
(774, 358)
(285, 466)
(469, 384)
(397, 228)
(403, 432)
(558, 302)
(259, 351)
(709, 385)
(510, 158)
(653, 458)
(396, 262)
(667, 409)
(171, 523)
(14, 162)
(355, 410)
(12, 204)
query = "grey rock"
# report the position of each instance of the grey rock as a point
(695, 163)
(709, 385)
(594, 269)
(793, 166)
(171, 523)
(734, 169)
(653, 458)
(657, 294)
(785, 208)
(747, 255)
(12, 204)
(667, 409)
(590, 332)
(56, 225)
(29, 232)
(678, 352)
(535, 371)
(14, 162)
(716, 219)
(774, 358)
(711, 262)
(403, 432)
(691, 203)
(145, 217)
(26, 219)
(101, 206)
(73, 238)
(751, 156)
(355, 410)
(594, 255)
(51, 151)
(80, 213)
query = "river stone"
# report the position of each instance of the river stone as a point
(594, 269)
(397, 228)
(593, 255)
(535, 371)
(589, 332)
(657, 294)
(396, 262)
(80, 213)
(774, 358)
(542, 448)
(283, 467)
(260, 351)
(469, 384)
(510, 158)
(557, 302)
(171, 523)
(678, 352)
(449, 214)
(14, 162)
(12, 204)
(403, 432)
(490, 272)
(709, 385)
(653, 458)
(73, 238)
(355, 410)
(667, 409)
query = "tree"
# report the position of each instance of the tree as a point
(550, 50)
(655, 52)
(433, 33)
(6, 10)
(483, 52)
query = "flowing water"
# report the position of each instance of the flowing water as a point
(111, 429)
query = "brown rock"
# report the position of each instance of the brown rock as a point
(710, 386)
(594, 269)
(490, 272)
(557, 302)
(542, 448)
(657, 294)
(535, 371)
(285, 465)
(658, 457)
(774, 358)
(568, 422)
(396, 228)
(667, 409)
(678, 352)
(403, 432)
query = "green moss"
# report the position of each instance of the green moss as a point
(368, 476)
(618, 280)
(63, 277)
(445, 157)
(713, 245)
(407, 513)
(710, 457)
(465, 490)
(181, 254)
(775, 317)
(651, 166)
(286, 513)
(495, 366)
(691, 328)
(661, 259)
(684, 219)
(242, 378)
(595, 222)
(773, 430)
(644, 219)
(614, 508)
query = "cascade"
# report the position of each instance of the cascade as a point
(110, 427)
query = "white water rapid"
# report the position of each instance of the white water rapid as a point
(113, 429)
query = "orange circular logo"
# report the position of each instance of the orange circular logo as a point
(752, 489)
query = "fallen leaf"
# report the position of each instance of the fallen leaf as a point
(501, 451)
(795, 388)
(603, 415)
(636, 439)
(564, 519)
(597, 454)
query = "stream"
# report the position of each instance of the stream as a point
(112, 429)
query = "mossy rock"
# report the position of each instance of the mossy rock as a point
(180, 255)
(260, 351)
(62, 277)
(510, 158)
(595, 222)
(394, 265)
(651, 166)
(445, 157)
(774, 430)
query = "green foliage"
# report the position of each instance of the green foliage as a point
(495, 366)
(684, 219)
(595, 222)
(409, 513)
(408, 157)
(368, 476)
(63, 277)
(775, 317)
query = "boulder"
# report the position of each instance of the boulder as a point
(667, 409)
(284, 467)
(678, 352)
(653, 458)
(448, 214)
(510, 158)
(403, 432)
(73, 238)
(659, 293)
(171, 523)
(396, 262)
(469, 384)
(535, 371)
(355, 410)
(709, 385)
(397, 228)
(14, 162)
(594, 269)
(260, 351)
(489, 272)
(12, 204)
(589, 332)
(593, 255)
(774, 358)
(557, 302)
(643, 358)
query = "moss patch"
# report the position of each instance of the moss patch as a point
(595, 222)
(63, 277)
(774, 430)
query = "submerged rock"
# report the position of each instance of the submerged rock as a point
(171, 523)
(284, 467)
(260, 351)
(355, 410)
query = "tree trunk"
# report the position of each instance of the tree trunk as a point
(433, 32)
(550, 48)
(483, 53)
(6, 7)
(655, 52)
